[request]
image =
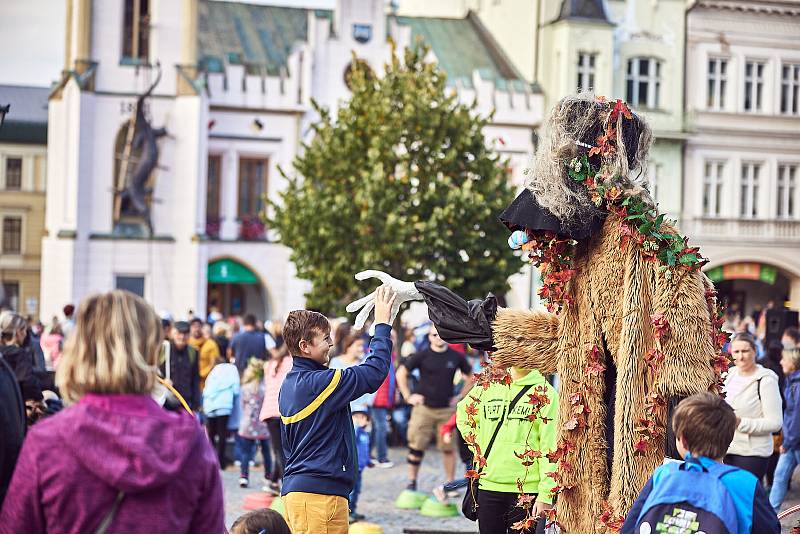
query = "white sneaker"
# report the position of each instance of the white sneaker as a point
(243, 482)
(384, 465)
(237, 463)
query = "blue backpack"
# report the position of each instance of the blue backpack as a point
(689, 498)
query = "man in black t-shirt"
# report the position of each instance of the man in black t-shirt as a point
(433, 401)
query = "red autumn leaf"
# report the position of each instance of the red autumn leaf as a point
(613, 194)
(640, 447)
(471, 409)
(473, 475)
(660, 325)
(524, 524)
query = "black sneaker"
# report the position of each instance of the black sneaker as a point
(412, 485)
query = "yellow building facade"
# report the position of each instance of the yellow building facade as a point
(23, 159)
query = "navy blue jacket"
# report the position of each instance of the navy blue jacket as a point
(791, 413)
(753, 511)
(317, 428)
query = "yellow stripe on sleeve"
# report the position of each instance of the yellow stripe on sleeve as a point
(316, 403)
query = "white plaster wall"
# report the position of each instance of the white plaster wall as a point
(734, 153)
(106, 46)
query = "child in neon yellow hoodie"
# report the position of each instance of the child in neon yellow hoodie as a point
(498, 493)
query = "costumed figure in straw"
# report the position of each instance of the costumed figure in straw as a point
(632, 325)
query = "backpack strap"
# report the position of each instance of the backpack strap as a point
(758, 388)
(103, 527)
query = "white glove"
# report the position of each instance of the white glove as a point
(406, 291)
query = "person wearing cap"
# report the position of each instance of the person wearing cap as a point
(179, 365)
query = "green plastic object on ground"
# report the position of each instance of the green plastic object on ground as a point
(277, 505)
(433, 508)
(410, 500)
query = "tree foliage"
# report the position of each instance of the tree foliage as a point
(401, 181)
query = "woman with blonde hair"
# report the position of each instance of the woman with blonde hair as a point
(124, 464)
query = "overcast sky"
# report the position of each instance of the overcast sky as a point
(32, 37)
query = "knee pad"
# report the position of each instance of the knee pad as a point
(414, 456)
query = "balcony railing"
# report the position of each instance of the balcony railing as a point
(742, 229)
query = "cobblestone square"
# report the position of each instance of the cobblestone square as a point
(381, 487)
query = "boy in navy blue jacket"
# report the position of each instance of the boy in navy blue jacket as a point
(317, 430)
(704, 425)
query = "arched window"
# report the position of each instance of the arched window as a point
(125, 159)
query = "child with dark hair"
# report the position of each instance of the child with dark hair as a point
(318, 438)
(704, 425)
(264, 521)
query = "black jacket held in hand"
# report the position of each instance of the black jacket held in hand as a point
(457, 320)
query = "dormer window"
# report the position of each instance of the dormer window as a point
(136, 31)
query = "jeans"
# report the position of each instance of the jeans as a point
(353, 499)
(401, 415)
(380, 432)
(247, 451)
(783, 473)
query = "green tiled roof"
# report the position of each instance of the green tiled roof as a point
(261, 36)
(253, 35)
(463, 46)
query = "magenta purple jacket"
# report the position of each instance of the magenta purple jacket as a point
(74, 464)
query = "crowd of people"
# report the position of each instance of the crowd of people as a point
(140, 385)
(228, 373)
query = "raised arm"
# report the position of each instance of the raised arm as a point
(688, 347)
(526, 339)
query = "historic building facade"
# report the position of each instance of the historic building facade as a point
(231, 85)
(23, 159)
(742, 201)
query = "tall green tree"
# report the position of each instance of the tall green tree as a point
(401, 181)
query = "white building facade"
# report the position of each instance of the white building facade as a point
(235, 99)
(742, 194)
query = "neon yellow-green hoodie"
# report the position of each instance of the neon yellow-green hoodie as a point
(503, 468)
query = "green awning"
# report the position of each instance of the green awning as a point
(230, 272)
(744, 271)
